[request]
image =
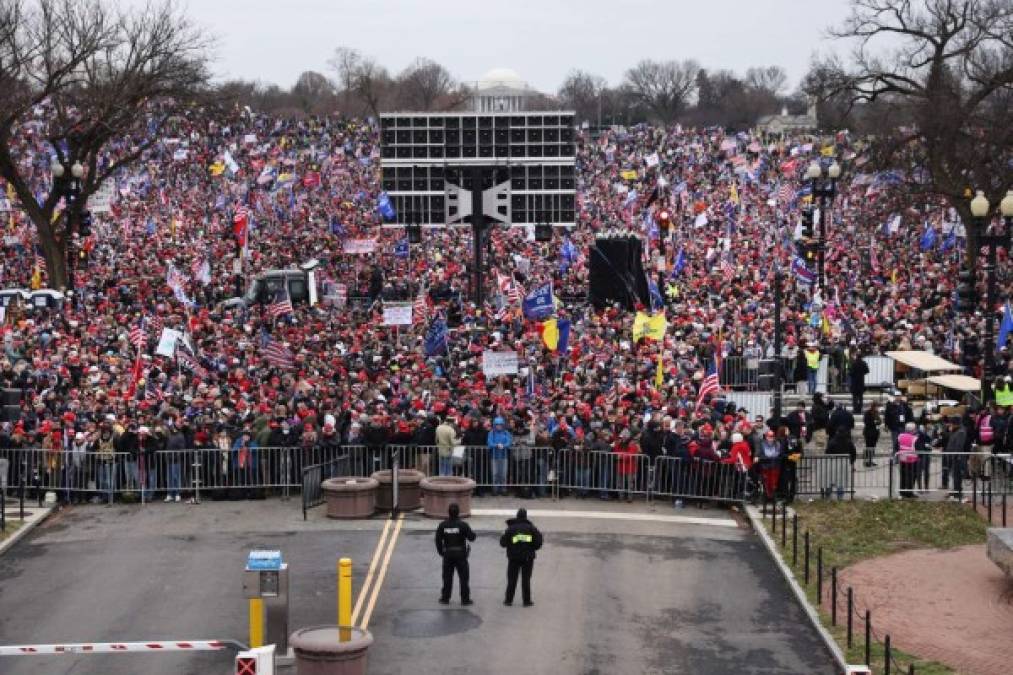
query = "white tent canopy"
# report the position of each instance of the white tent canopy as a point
(923, 361)
(963, 383)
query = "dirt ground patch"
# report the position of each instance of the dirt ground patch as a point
(952, 606)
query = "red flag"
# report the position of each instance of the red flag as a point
(240, 224)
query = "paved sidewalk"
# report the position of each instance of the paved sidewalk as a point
(33, 516)
(949, 606)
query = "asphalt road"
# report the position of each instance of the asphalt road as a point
(612, 595)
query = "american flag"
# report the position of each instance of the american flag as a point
(710, 384)
(340, 294)
(190, 362)
(785, 193)
(280, 307)
(138, 336)
(727, 268)
(420, 310)
(277, 354)
(152, 392)
(497, 314)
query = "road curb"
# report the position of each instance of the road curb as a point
(800, 595)
(39, 515)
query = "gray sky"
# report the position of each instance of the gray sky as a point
(273, 41)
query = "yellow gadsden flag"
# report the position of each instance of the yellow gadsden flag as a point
(652, 326)
(659, 374)
(628, 174)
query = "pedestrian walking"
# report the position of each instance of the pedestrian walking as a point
(520, 540)
(452, 537)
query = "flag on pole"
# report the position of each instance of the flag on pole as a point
(276, 354)
(538, 303)
(436, 337)
(138, 336)
(240, 225)
(1005, 328)
(281, 306)
(802, 271)
(928, 240)
(420, 310)
(401, 248)
(710, 384)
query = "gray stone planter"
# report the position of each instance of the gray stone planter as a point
(350, 496)
(319, 650)
(439, 492)
(409, 489)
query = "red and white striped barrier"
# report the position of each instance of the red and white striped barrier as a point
(120, 647)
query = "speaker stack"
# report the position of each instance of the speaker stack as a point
(10, 400)
(616, 272)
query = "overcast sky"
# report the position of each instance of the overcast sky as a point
(273, 41)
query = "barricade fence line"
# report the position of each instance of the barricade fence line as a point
(252, 472)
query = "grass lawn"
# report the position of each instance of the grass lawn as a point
(12, 527)
(851, 531)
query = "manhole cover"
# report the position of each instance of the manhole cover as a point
(428, 623)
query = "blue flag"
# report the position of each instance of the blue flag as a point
(568, 252)
(657, 302)
(680, 262)
(563, 325)
(928, 240)
(337, 228)
(150, 227)
(1005, 328)
(385, 208)
(949, 241)
(538, 304)
(802, 271)
(401, 249)
(436, 337)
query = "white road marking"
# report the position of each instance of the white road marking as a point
(609, 515)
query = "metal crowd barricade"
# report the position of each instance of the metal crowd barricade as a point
(314, 475)
(679, 478)
(825, 476)
(586, 472)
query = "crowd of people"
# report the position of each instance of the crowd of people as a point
(219, 201)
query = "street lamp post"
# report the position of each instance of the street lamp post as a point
(825, 189)
(69, 187)
(993, 240)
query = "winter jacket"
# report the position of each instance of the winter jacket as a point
(521, 539)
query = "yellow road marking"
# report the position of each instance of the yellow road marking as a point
(383, 572)
(372, 569)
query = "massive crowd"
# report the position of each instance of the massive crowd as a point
(166, 256)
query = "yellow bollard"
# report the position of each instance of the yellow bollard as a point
(256, 622)
(345, 598)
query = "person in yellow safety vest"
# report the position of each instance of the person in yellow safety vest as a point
(520, 540)
(672, 291)
(812, 365)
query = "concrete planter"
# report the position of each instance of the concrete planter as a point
(350, 497)
(439, 492)
(999, 548)
(319, 650)
(409, 489)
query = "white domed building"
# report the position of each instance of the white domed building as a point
(502, 90)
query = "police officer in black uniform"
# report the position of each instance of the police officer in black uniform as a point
(452, 537)
(521, 540)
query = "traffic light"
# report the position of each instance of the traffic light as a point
(84, 227)
(808, 215)
(967, 294)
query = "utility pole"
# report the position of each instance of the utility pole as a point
(778, 338)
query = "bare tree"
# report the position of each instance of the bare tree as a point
(423, 83)
(99, 85)
(346, 63)
(372, 85)
(769, 79)
(949, 65)
(314, 93)
(584, 93)
(665, 88)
